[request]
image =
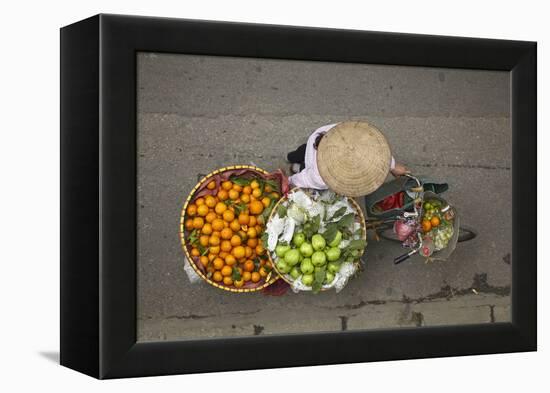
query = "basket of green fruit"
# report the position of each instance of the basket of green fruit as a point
(315, 239)
(440, 226)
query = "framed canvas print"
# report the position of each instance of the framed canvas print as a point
(239, 196)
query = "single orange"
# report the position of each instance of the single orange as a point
(204, 260)
(222, 254)
(253, 221)
(211, 257)
(207, 229)
(214, 250)
(262, 272)
(220, 208)
(228, 215)
(192, 210)
(210, 201)
(233, 194)
(199, 201)
(435, 221)
(245, 198)
(256, 193)
(235, 226)
(255, 277)
(254, 184)
(251, 233)
(227, 270)
(268, 188)
(217, 276)
(237, 188)
(244, 219)
(226, 233)
(198, 222)
(211, 185)
(246, 276)
(228, 280)
(266, 201)
(230, 260)
(195, 252)
(247, 190)
(217, 263)
(225, 245)
(189, 224)
(223, 195)
(217, 224)
(204, 240)
(248, 251)
(252, 243)
(248, 266)
(214, 241)
(256, 207)
(211, 216)
(239, 252)
(260, 249)
(426, 225)
(217, 234)
(227, 185)
(275, 195)
(236, 240)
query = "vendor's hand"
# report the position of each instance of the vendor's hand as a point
(400, 170)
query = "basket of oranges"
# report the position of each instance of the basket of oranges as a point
(222, 223)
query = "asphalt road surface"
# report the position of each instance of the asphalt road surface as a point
(199, 113)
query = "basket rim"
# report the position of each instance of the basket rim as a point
(269, 280)
(285, 197)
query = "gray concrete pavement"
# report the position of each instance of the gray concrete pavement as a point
(198, 113)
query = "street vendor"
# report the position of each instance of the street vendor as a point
(352, 158)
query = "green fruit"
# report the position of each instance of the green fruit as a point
(306, 249)
(333, 254)
(307, 279)
(318, 258)
(333, 267)
(318, 242)
(337, 239)
(306, 266)
(298, 239)
(295, 272)
(292, 257)
(280, 250)
(329, 277)
(282, 266)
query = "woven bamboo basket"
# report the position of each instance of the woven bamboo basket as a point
(359, 218)
(269, 279)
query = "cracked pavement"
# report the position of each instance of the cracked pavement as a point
(199, 113)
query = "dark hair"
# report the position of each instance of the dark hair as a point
(318, 140)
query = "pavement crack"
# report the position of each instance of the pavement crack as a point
(189, 316)
(344, 320)
(466, 166)
(492, 313)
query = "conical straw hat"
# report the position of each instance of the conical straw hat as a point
(353, 158)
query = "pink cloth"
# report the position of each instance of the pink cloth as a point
(310, 177)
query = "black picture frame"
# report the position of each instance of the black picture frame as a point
(98, 195)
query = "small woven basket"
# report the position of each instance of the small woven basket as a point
(360, 217)
(269, 279)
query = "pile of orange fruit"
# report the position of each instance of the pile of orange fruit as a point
(225, 230)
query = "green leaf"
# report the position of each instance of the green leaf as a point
(312, 226)
(318, 278)
(240, 181)
(264, 238)
(273, 184)
(236, 275)
(357, 244)
(281, 210)
(330, 231)
(267, 211)
(203, 250)
(239, 208)
(193, 237)
(338, 213)
(346, 220)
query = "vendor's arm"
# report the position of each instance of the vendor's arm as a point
(307, 178)
(398, 169)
